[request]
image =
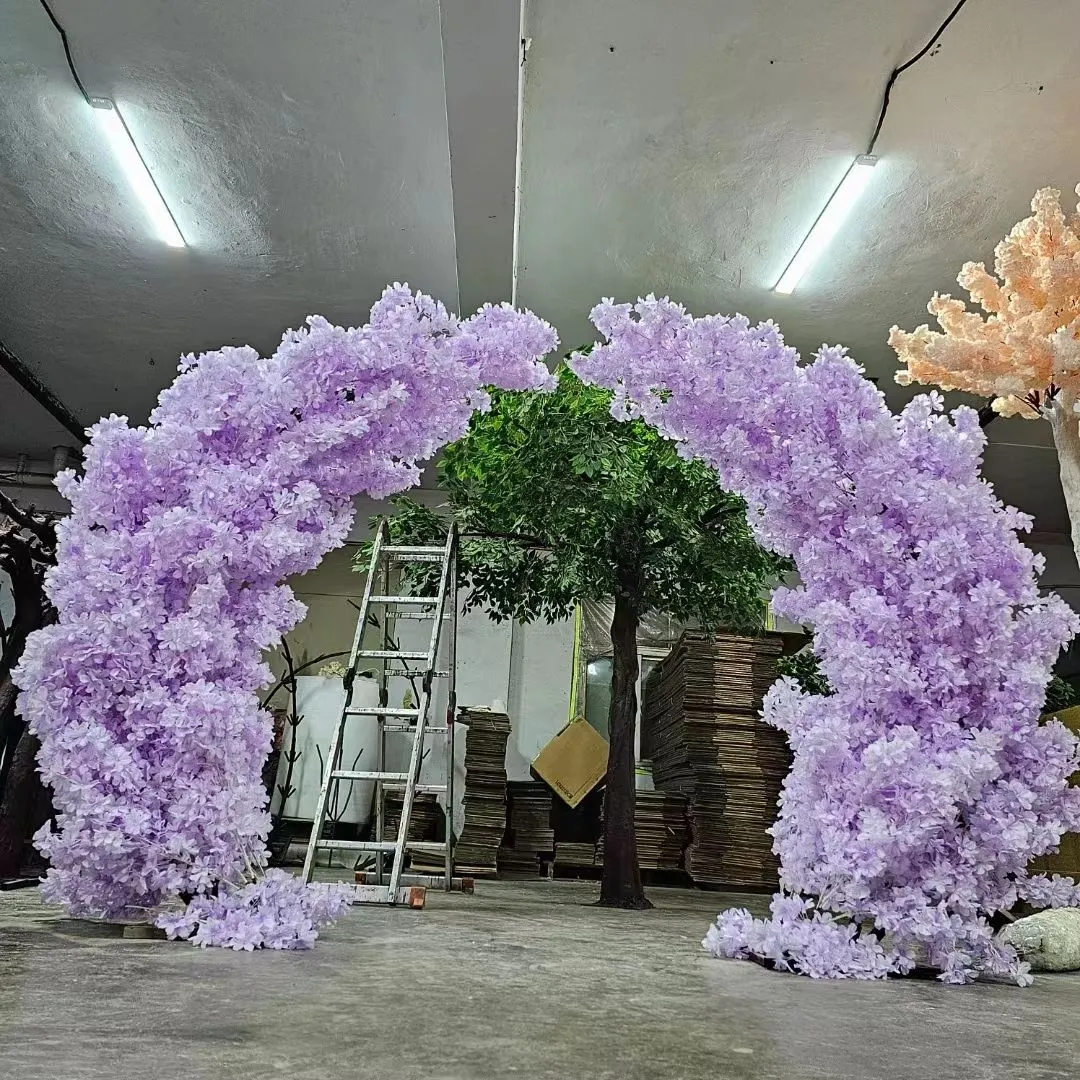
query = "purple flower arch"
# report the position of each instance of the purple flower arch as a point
(923, 786)
(168, 591)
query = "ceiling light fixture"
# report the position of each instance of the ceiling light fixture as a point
(113, 127)
(830, 219)
(828, 222)
(111, 123)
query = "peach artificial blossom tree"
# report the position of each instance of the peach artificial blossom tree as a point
(1025, 353)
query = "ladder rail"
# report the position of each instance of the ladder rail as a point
(451, 703)
(381, 589)
(415, 757)
(336, 739)
(385, 573)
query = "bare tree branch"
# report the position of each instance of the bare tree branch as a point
(38, 525)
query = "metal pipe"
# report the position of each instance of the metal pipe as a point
(10, 363)
(29, 480)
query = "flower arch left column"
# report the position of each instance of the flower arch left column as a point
(168, 582)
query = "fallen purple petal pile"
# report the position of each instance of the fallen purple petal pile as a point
(276, 912)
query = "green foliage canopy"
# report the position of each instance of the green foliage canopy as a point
(557, 502)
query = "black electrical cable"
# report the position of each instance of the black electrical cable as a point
(67, 50)
(897, 72)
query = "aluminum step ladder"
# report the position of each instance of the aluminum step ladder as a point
(384, 577)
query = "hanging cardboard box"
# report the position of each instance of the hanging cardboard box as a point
(574, 762)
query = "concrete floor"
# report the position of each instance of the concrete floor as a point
(515, 981)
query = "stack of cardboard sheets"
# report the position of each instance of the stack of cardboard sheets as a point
(569, 853)
(660, 824)
(529, 835)
(484, 824)
(423, 821)
(702, 709)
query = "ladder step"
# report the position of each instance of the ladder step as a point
(428, 730)
(431, 789)
(405, 673)
(410, 896)
(381, 710)
(415, 549)
(391, 654)
(436, 847)
(352, 774)
(417, 555)
(423, 601)
(418, 616)
(428, 881)
(357, 845)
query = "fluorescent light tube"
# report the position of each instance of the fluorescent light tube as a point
(828, 222)
(112, 126)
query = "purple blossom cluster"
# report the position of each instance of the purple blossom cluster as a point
(923, 786)
(277, 911)
(168, 592)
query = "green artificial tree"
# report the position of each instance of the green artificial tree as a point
(558, 502)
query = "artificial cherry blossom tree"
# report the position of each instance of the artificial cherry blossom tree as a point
(168, 590)
(1026, 352)
(924, 783)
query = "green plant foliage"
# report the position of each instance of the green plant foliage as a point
(1060, 695)
(557, 502)
(805, 669)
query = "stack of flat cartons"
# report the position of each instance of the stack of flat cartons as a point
(702, 708)
(660, 825)
(529, 835)
(486, 733)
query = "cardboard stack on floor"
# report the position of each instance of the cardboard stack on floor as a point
(661, 828)
(570, 853)
(577, 831)
(529, 835)
(484, 825)
(572, 764)
(423, 821)
(702, 711)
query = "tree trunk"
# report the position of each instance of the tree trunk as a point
(621, 884)
(11, 728)
(22, 795)
(1065, 424)
(20, 809)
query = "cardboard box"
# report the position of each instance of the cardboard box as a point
(1069, 717)
(574, 762)
(1066, 860)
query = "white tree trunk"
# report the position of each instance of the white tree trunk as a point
(1065, 424)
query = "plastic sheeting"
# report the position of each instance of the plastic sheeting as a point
(657, 630)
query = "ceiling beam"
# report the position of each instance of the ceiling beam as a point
(480, 71)
(10, 363)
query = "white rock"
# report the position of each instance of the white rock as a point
(1048, 941)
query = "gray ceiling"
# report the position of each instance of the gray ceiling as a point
(313, 152)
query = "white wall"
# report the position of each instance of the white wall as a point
(540, 677)
(528, 667)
